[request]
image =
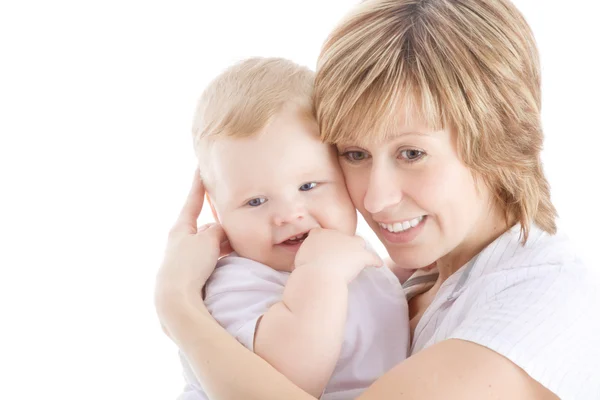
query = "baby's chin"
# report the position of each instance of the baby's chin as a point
(286, 265)
(278, 262)
(283, 267)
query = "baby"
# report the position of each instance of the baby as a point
(319, 313)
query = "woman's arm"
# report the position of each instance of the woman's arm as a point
(457, 369)
(453, 369)
(225, 368)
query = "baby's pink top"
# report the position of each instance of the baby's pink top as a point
(377, 333)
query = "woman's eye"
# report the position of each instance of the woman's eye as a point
(308, 186)
(256, 202)
(355, 155)
(412, 154)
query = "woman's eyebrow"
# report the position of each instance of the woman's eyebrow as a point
(409, 133)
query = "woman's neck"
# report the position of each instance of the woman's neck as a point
(490, 227)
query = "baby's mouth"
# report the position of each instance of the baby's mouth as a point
(296, 239)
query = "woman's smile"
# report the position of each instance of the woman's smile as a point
(404, 231)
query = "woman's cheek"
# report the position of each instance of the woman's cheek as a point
(357, 185)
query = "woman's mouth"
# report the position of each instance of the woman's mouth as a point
(396, 227)
(402, 231)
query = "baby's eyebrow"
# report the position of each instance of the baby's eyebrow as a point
(242, 192)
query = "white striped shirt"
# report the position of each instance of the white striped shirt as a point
(537, 305)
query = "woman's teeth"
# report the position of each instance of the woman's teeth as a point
(402, 226)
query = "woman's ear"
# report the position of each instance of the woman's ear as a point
(212, 209)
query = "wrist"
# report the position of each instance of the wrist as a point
(314, 287)
(171, 300)
(181, 314)
(320, 271)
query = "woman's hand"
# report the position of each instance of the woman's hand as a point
(191, 254)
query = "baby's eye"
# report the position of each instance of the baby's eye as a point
(256, 202)
(308, 186)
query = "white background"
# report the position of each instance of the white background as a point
(96, 101)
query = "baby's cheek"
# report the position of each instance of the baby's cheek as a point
(244, 233)
(341, 216)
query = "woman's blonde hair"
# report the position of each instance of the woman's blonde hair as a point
(467, 65)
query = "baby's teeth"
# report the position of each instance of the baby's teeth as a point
(414, 222)
(406, 225)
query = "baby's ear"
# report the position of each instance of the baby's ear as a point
(212, 208)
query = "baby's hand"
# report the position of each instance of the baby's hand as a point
(343, 254)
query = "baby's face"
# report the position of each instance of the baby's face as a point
(271, 189)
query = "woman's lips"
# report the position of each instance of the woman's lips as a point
(404, 235)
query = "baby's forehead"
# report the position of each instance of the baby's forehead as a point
(245, 168)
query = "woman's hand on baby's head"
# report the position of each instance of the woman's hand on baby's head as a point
(192, 253)
(346, 255)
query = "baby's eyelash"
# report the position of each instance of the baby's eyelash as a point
(253, 203)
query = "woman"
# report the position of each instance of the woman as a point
(434, 107)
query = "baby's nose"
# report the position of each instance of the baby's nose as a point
(290, 214)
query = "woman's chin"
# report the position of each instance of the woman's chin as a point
(411, 258)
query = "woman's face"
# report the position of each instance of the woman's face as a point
(419, 198)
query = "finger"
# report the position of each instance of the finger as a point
(215, 231)
(373, 259)
(188, 217)
(226, 248)
(315, 231)
(361, 241)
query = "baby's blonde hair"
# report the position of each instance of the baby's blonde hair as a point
(242, 100)
(466, 65)
(246, 96)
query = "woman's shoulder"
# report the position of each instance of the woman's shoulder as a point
(535, 304)
(541, 253)
(543, 256)
(546, 268)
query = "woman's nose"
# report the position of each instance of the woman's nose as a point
(383, 190)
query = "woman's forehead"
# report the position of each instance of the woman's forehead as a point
(402, 124)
